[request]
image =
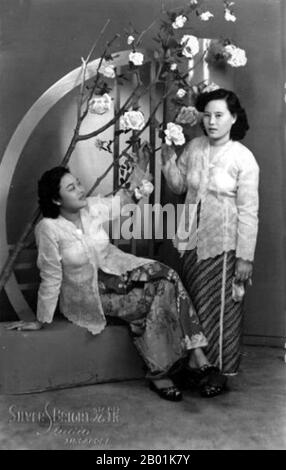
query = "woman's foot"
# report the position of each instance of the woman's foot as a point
(166, 389)
(197, 359)
(203, 375)
(208, 379)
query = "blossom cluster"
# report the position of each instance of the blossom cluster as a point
(180, 47)
(144, 190)
(235, 56)
(226, 53)
(100, 104)
(132, 120)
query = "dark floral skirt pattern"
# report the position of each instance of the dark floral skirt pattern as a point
(152, 300)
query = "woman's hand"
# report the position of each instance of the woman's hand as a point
(25, 326)
(243, 270)
(167, 153)
(144, 154)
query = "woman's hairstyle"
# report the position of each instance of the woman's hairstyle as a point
(49, 191)
(240, 127)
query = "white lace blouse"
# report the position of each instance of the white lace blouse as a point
(69, 259)
(226, 188)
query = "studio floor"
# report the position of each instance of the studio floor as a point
(127, 415)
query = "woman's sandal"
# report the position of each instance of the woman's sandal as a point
(212, 382)
(171, 393)
(207, 379)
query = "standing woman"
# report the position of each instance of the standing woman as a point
(220, 178)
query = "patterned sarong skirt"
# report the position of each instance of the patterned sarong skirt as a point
(152, 300)
(209, 284)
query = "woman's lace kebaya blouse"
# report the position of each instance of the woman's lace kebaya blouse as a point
(69, 259)
(226, 188)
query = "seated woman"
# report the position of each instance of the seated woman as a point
(93, 278)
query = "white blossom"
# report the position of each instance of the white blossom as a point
(228, 15)
(173, 66)
(174, 134)
(137, 58)
(179, 22)
(108, 70)
(236, 56)
(132, 120)
(145, 189)
(130, 40)
(206, 16)
(191, 46)
(181, 93)
(100, 104)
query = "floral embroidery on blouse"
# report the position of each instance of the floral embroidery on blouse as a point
(227, 190)
(69, 260)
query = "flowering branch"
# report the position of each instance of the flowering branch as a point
(125, 151)
(112, 121)
(93, 88)
(84, 68)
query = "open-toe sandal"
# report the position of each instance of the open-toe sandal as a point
(171, 393)
(212, 382)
